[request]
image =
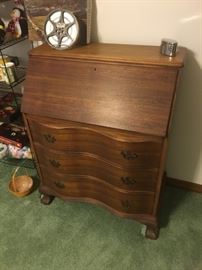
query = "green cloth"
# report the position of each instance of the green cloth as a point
(81, 236)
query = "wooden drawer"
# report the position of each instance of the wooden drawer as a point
(134, 150)
(88, 188)
(132, 178)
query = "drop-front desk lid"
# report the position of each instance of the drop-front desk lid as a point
(126, 87)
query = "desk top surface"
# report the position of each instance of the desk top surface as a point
(122, 53)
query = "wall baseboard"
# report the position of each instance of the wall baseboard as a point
(184, 184)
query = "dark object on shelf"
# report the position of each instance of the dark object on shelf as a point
(8, 108)
(6, 99)
(13, 134)
(14, 59)
(9, 114)
(2, 31)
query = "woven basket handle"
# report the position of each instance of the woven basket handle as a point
(13, 177)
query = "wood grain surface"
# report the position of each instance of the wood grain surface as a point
(132, 97)
(90, 188)
(117, 53)
(137, 176)
(98, 119)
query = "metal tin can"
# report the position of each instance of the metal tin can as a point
(9, 72)
(168, 47)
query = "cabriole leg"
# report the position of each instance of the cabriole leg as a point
(152, 232)
(46, 199)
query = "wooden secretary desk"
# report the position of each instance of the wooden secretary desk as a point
(98, 118)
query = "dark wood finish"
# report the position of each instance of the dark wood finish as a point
(160, 179)
(184, 184)
(87, 187)
(99, 124)
(142, 218)
(115, 53)
(83, 164)
(138, 99)
(89, 139)
(105, 96)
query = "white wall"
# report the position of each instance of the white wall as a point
(147, 22)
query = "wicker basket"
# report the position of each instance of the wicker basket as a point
(20, 185)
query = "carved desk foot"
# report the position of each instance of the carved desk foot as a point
(46, 199)
(152, 232)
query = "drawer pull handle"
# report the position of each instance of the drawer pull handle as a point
(129, 181)
(54, 163)
(49, 138)
(129, 155)
(59, 184)
(125, 204)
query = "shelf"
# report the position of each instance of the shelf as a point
(9, 107)
(13, 115)
(5, 45)
(20, 73)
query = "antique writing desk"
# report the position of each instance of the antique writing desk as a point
(98, 118)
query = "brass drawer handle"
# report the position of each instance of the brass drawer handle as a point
(129, 155)
(49, 138)
(129, 181)
(54, 163)
(59, 184)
